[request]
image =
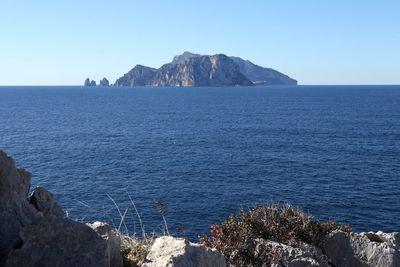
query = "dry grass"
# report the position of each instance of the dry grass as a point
(135, 250)
(236, 237)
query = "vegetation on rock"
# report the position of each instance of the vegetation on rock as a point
(237, 237)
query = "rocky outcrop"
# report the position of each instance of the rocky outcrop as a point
(301, 255)
(34, 232)
(89, 82)
(104, 82)
(363, 249)
(15, 210)
(339, 249)
(44, 202)
(168, 251)
(58, 242)
(113, 242)
(262, 76)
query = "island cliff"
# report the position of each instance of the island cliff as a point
(191, 69)
(216, 70)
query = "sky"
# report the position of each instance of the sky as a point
(314, 41)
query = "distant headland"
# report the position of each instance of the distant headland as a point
(191, 69)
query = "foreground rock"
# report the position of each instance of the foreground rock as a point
(44, 202)
(113, 243)
(34, 232)
(363, 249)
(58, 242)
(168, 251)
(338, 249)
(15, 210)
(302, 255)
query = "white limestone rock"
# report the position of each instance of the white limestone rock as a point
(113, 243)
(362, 249)
(168, 251)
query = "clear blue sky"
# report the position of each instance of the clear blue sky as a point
(316, 42)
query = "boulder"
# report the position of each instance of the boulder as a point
(52, 241)
(376, 249)
(44, 202)
(301, 256)
(362, 249)
(178, 252)
(34, 233)
(113, 243)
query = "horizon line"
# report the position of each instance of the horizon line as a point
(283, 85)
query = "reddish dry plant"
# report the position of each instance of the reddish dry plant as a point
(236, 238)
(160, 206)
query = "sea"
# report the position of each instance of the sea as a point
(205, 153)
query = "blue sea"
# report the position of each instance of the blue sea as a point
(333, 151)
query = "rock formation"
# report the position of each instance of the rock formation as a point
(34, 232)
(203, 70)
(89, 82)
(138, 76)
(15, 210)
(216, 70)
(113, 243)
(104, 82)
(44, 202)
(178, 252)
(52, 241)
(337, 249)
(362, 249)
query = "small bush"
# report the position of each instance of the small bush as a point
(135, 250)
(236, 237)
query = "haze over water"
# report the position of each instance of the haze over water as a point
(205, 152)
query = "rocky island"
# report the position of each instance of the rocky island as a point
(35, 231)
(191, 69)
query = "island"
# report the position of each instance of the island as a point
(191, 69)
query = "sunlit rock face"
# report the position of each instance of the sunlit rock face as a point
(191, 69)
(138, 76)
(216, 70)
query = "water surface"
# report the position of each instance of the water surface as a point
(206, 152)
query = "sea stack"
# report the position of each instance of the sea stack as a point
(104, 82)
(89, 82)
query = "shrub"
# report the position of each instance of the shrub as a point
(135, 250)
(236, 237)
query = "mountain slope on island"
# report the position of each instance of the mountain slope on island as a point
(138, 76)
(191, 69)
(216, 70)
(261, 75)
